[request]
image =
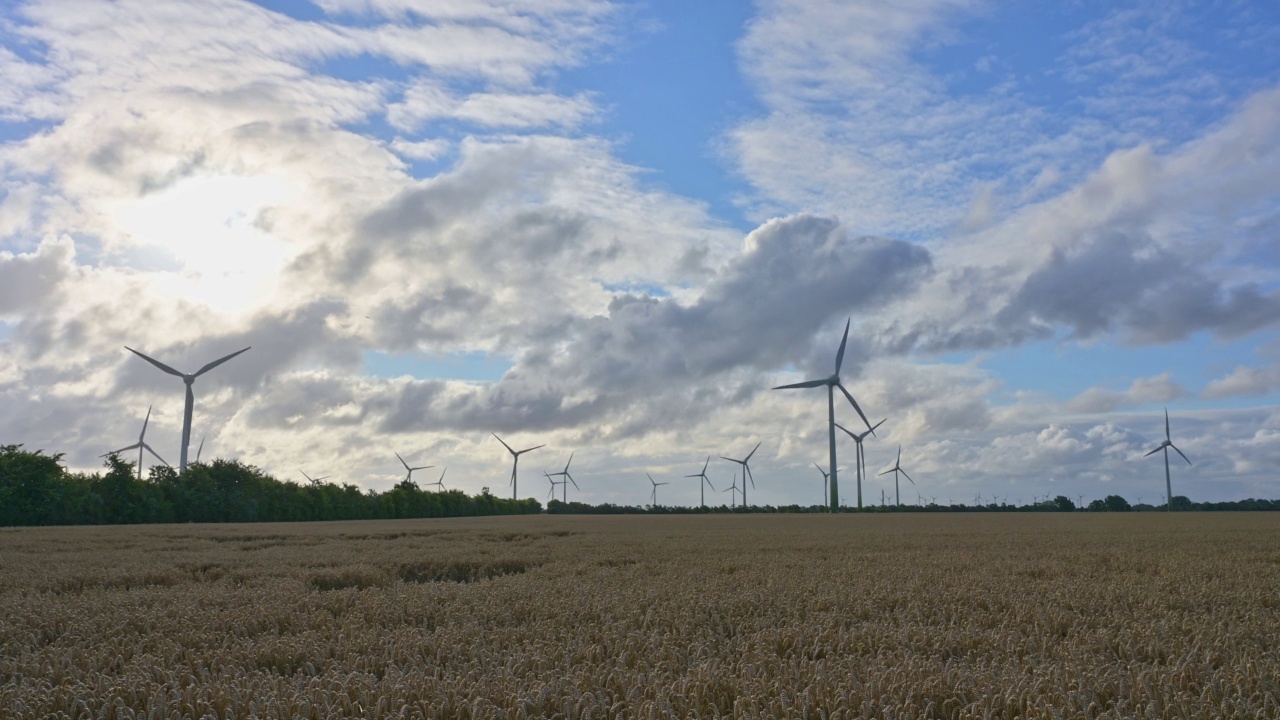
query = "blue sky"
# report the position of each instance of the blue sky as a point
(611, 227)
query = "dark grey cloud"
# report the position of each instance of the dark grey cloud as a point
(1125, 282)
(659, 358)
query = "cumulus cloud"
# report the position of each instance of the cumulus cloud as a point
(1245, 381)
(1143, 391)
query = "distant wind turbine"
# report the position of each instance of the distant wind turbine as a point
(552, 494)
(861, 459)
(702, 484)
(515, 460)
(187, 378)
(141, 445)
(439, 483)
(825, 476)
(831, 384)
(409, 476)
(564, 475)
(314, 481)
(897, 468)
(654, 499)
(734, 488)
(746, 471)
(1168, 443)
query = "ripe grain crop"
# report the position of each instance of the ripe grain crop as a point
(846, 616)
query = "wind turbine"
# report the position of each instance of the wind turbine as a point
(564, 475)
(314, 481)
(746, 471)
(409, 477)
(515, 460)
(552, 494)
(654, 499)
(897, 468)
(439, 483)
(187, 378)
(861, 459)
(1168, 443)
(831, 383)
(702, 486)
(734, 487)
(825, 476)
(141, 445)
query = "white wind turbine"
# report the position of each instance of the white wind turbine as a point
(439, 483)
(187, 378)
(141, 445)
(409, 476)
(515, 460)
(705, 482)
(552, 493)
(654, 499)
(825, 476)
(861, 459)
(746, 471)
(831, 384)
(1168, 443)
(565, 476)
(897, 468)
(734, 488)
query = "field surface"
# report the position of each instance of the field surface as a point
(899, 616)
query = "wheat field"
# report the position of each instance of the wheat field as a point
(758, 616)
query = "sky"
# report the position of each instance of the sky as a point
(612, 227)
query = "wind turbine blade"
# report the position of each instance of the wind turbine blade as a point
(217, 362)
(535, 447)
(1184, 457)
(899, 460)
(886, 472)
(402, 462)
(155, 362)
(805, 384)
(847, 431)
(198, 450)
(854, 403)
(145, 420)
(1153, 452)
(1166, 424)
(708, 482)
(730, 459)
(840, 352)
(753, 452)
(566, 465)
(153, 452)
(504, 444)
(904, 472)
(116, 452)
(696, 475)
(650, 478)
(873, 427)
(750, 476)
(575, 482)
(705, 464)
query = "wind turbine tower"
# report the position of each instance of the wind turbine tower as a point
(702, 484)
(1168, 443)
(897, 468)
(746, 471)
(187, 378)
(515, 460)
(141, 445)
(831, 384)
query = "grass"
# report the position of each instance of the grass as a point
(925, 616)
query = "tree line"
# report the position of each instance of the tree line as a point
(36, 490)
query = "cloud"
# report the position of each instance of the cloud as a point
(1142, 391)
(33, 280)
(1244, 381)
